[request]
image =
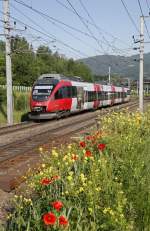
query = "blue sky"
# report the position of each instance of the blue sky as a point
(114, 35)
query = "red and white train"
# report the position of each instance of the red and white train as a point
(54, 95)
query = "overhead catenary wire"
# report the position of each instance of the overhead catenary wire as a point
(54, 21)
(46, 43)
(85, 25)
(130, 17)
(47, 35)
(99, 31)
(83, 22)
(37, 30)
(96, 26)
(148, 5)
(72, 35)
(83, 6)
(52, 18)
(93, 22)
(81, 19)
(144, 19)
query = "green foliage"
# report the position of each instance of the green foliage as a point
(28, 65)
(2, 95)
(2, 62)
(102, 182)
(2, 47)
(20, 102)
(130, 148)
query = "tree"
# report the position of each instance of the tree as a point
(23, 60)
(2, 63)
(27, 65)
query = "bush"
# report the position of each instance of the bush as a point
(20, 102)
(101, 183)
(3, 98)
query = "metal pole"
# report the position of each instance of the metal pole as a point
(141, 63)
(137, 87)
(129, 83)
(109, 73)
(8, 62)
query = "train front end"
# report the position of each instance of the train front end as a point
(41, 97)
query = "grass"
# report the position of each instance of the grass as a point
(99, 184)
(21, 107)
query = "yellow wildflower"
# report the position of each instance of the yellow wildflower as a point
(40, 149)
(81, 189)
(54, 153)
(98, 189)
(69, 146)
(69, 178)
(71, 173)
(90, 210)
(66, 192)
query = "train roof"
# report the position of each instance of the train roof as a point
(60, 77)
(76, 81)
(55, 78)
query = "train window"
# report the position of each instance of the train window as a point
(105, 94)
(69, 92)
(59, 94)
(117, 95)
(74, 92)
(91, 96)
(100, 95)
(64, 92)
(111, 95)
(128, 92)
(42, 92)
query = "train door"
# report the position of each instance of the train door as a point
(123, 95)
(62, 100)
(80, 98)
(96, 98)
(112, 95)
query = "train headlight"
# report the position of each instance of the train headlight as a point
(37, 109)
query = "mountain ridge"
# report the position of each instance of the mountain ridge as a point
(120, 65)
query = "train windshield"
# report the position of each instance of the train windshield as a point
(42, 92)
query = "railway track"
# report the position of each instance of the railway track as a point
(22, 126)
(17, 127)
(16, 151)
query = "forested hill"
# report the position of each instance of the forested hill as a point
(27, 65)
(120, 65)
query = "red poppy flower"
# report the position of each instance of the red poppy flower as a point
(89, 137)
(74, 157)
(46, 181)
(101, 147)
(63, 220)
(49, 218)
(57, 205)
(82, 144)
(88, 153)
